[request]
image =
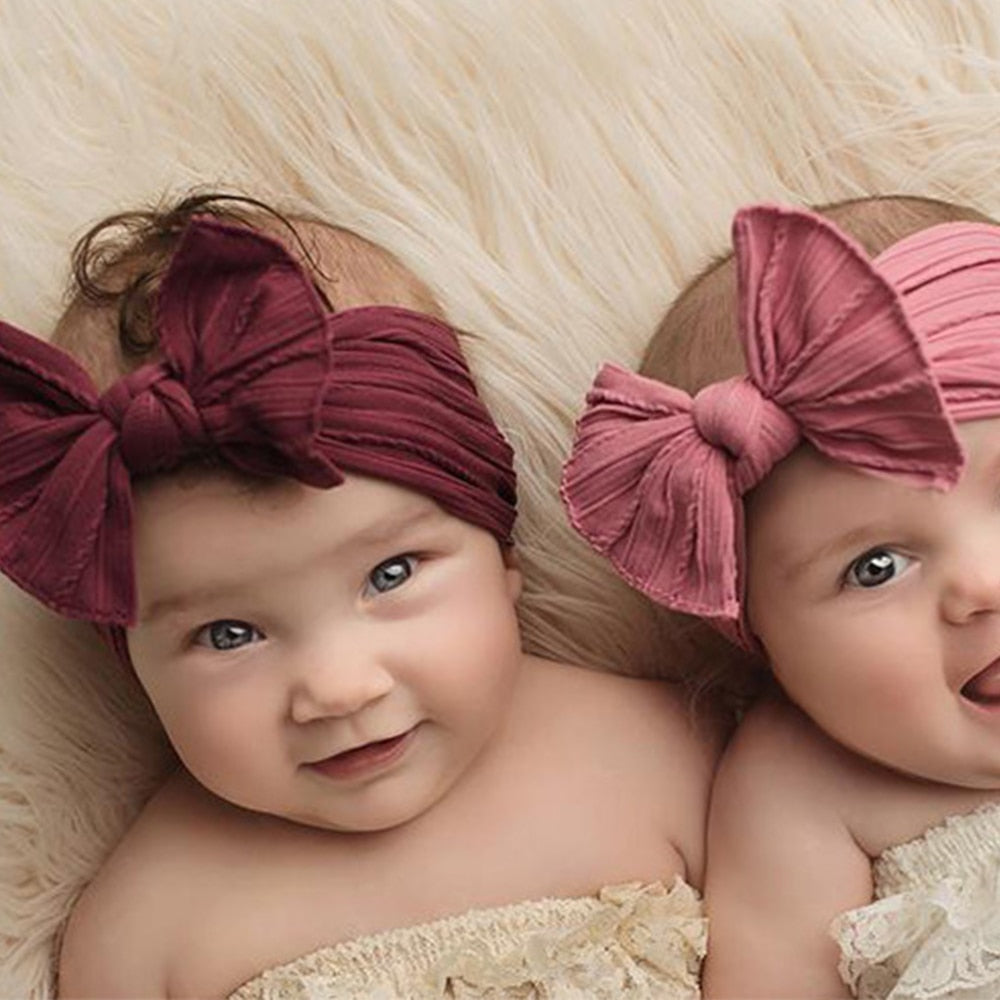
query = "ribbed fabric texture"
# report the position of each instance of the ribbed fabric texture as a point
(868, 361)
(258, 374)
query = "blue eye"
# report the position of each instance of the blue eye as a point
(875, 568)
(390, 574)
(227, 633)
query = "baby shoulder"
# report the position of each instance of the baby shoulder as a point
(111, 946)
(108, 948)
(639, 747)
(648, 719)
(119, 935)
(782, 860)
(779, 757)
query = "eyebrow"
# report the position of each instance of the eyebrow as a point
(164, 607)
(843, 543)
(385, 529)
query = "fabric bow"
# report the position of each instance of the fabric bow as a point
(246, 358)
(655, 480)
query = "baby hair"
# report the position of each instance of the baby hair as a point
(695, 344)
(118, 263)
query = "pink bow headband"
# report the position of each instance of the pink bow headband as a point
(256, 373)
(868, 361)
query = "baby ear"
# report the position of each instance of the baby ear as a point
(512, 563)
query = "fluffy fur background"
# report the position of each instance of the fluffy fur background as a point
(553, 169)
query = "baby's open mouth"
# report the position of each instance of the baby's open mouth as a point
(984, 688)
(365, 758)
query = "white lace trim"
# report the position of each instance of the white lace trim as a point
(937, 935)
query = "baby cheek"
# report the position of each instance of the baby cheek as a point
(208, 725)
(470, 655)
(853, 676)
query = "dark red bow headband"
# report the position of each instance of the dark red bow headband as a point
(257, 373)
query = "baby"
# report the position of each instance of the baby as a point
(290, 514)
(829, 500)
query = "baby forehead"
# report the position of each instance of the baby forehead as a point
(216, 531)
(810, 505)
(807, 493)
(806, 476)
(226, 501)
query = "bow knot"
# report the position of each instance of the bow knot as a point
(158, 423)
(754, 431)
(247, 359)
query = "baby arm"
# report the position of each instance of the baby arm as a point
(782, 863)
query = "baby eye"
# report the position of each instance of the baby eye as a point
(876, 567)
(227, 633)
(390, 574)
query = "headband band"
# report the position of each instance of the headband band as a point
(868, 361)
(259, 375)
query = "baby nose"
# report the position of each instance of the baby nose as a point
(973, 585)
(337, 684)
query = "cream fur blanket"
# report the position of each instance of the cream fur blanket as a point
(553, 169)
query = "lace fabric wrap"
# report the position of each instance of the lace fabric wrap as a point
(933, 932)
(629, 942)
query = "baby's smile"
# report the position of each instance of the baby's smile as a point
(366, 759)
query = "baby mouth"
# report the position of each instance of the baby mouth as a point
(984, 688)
(366, 758)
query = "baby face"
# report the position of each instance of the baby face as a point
(879, 608)
(339, 658)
